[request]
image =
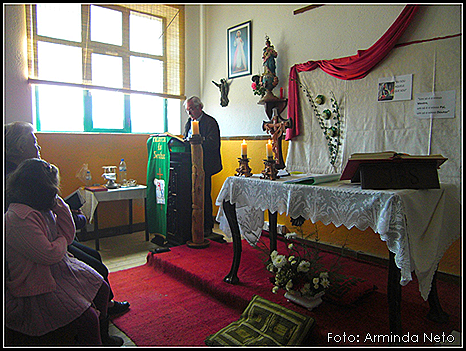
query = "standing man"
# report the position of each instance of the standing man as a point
(210, 132)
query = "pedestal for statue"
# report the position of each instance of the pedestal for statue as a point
(269, 80)
(198, 178)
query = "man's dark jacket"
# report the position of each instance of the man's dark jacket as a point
(210, 132)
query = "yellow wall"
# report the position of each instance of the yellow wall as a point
(70, 151)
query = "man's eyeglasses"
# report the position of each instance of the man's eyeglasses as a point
(190, 109)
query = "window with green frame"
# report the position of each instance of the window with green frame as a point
(106, 68)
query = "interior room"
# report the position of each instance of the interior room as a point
(406, 98)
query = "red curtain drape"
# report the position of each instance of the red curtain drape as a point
(347, 68)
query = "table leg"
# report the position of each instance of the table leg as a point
(96, 230)
(394, 296)
(273, 230)
(146, 227)
(230, 213)
(436, 312)
(130, 216)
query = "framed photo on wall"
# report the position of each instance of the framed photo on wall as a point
(239, 50)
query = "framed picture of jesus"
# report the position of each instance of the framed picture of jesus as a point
(239, 50)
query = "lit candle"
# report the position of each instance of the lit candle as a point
(195, 127)
(268, 148)
(244, 148)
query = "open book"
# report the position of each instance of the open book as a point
(174, 136)
(357, 159)
(179, 138)
(390, 155)
(313, 179)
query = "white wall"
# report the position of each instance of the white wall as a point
(17, 101)
(194, 52)
(326, 32)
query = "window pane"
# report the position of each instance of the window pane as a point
(108, 109)
(116, 36)
(60, 109)
(59, 63)
(145, 34)
(61, 21)
(146, 74)
(106, 25)
(107, 70)
(173, 116)
(147, 114)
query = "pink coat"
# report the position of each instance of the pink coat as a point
(29, 252)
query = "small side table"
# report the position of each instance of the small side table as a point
(93, 198)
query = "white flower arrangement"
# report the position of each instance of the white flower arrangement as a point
(297, 273)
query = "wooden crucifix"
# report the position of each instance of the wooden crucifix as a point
(276, 127)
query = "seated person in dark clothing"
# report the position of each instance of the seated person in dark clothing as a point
(93, 259)
(21, 144)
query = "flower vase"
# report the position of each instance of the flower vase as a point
(307, 302)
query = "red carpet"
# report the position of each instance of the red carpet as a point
(178, 298)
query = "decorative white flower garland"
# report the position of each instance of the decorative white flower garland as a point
(329, 122)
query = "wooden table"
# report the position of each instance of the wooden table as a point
(417, 225)
(93, 198)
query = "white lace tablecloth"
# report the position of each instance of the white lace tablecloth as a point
(417, 225)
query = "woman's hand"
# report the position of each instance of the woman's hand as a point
(64, 218)
(59, 202)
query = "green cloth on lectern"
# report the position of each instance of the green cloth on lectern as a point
(158, 167)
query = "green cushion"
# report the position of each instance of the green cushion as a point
(264, 323)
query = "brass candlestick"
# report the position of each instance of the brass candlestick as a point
(270, 172)
(243, 169)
